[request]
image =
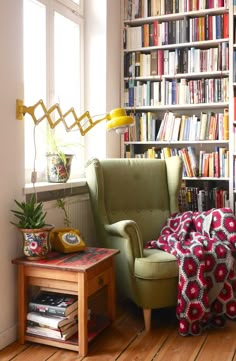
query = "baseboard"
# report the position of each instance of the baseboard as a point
(8, 336)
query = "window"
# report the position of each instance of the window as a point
(53, 72)
(76, 5)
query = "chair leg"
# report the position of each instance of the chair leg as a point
(147, 318)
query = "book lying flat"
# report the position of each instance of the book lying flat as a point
(53, 333)
(49, 320)
(52, 303)
(62, 329)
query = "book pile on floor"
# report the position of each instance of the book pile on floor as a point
(53, 315)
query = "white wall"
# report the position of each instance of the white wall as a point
(113, 71)
(12, 160)
(103, 29)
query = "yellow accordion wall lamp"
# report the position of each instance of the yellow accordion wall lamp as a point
(117, 119)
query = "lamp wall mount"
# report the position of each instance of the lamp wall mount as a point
(117, 119)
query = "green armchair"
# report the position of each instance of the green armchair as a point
(131, 199)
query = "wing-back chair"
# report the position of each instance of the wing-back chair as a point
(131, 199)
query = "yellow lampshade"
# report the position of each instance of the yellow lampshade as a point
(118, 120)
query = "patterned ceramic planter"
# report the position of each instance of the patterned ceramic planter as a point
(36, 242)
(58, 168)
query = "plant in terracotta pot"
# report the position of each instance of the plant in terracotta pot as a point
(35, 231)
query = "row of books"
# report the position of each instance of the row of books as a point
(208, 126)
(151, 153)
(207, 164)
(178, 61)
(204, 164)
(144, 8)
(174, 127)
(195, 91)
(209, 27)
(158, 33)
(145, 128)
(200, 199)
(176, 91)
(53, 315)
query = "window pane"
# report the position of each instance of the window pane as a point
(34, 78)
(68, 84)
(53, 75)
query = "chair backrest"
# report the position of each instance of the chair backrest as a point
(142, 190)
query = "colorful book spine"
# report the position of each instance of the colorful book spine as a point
(226, 124)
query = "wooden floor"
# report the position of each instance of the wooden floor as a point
(126, 340)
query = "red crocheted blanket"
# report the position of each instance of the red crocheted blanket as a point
(203, 244)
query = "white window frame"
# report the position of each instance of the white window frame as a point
(75, 13)
(72, 5)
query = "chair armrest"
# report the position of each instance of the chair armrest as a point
(127, 236)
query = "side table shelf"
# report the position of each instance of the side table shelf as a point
(72, 343)
(81, 273)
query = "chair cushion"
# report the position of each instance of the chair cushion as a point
(156, 264)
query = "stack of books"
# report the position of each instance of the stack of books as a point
(53, 315)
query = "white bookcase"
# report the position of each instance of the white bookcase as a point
(192, 49)
(232, 28)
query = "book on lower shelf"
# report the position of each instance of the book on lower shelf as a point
(42, 323)
(63, 333)
(52, 321)
(67, 332)
(52, 303)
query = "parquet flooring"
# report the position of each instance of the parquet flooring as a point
(126, 340)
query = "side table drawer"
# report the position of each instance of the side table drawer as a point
(98, 282)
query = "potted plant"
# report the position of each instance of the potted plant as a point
(58, 160)
(35, 231)
(61, 204)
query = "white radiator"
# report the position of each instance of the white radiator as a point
(79, 213)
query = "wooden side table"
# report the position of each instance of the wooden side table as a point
(81, 273)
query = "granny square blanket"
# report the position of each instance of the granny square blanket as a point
(204, 244)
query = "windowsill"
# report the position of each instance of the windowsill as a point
(46, 186)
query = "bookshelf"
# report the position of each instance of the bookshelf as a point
(177, 63)
(233, 106)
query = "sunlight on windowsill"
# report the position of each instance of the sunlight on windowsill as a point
(46, 186)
